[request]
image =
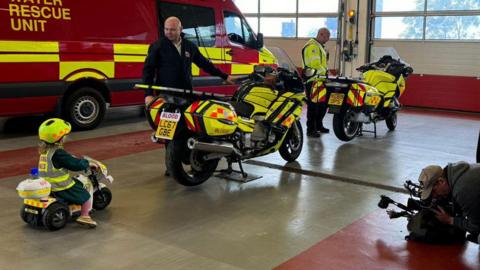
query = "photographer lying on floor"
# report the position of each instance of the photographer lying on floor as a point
(460, 183)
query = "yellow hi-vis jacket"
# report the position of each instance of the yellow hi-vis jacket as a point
(59, 178)
(314, 56)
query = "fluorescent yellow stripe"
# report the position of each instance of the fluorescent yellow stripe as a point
(130, 49)
(215, 53)
(129, 58)
(29, 46)
(68, 68)
(25, 58)
(195, 70)
(242, 69)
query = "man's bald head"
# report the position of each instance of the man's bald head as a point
(173, 29)
(323, 35)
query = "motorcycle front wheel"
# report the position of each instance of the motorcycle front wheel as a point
(343, 125)
(391, 121)
(293, 143)
(179, 162)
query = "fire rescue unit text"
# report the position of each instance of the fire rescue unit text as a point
(33, 15)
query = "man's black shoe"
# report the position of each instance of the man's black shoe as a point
(324, 130)
(167, 173)
(314, 134)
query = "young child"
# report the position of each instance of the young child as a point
(55, 163)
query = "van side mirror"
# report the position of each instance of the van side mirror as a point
(259, 43)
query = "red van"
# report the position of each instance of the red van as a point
(76, 58)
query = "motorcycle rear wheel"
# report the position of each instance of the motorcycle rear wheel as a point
(293, 143)
(180, 167)
(343, 125)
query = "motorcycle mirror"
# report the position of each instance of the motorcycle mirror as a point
(259, 69)
(309, 72)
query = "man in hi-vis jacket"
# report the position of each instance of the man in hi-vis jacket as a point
(315, 56)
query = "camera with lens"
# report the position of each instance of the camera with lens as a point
(422, 224)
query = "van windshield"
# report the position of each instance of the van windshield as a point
(198, 22)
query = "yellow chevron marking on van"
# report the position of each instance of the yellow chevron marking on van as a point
(68, 68)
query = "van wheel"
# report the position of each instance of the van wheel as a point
(84, 108)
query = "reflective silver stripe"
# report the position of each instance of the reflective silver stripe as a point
(58, 178)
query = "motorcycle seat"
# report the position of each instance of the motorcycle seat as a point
(242, 108)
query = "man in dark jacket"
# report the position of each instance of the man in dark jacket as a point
(459, 182)
(169, 61)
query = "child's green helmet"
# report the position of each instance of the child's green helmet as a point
(53, 130)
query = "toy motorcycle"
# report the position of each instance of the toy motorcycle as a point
(357, 102)
(203, 128)
(41, 208)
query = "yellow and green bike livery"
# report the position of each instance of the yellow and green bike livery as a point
(357, 102)
(201, 128)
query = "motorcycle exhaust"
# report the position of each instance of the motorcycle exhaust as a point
(218, 147)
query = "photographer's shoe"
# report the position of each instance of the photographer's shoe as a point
(86, 220)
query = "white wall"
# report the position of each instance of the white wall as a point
(426, 57)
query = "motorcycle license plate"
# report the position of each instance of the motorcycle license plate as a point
(168, 124)
(336, 99)
(31, 211)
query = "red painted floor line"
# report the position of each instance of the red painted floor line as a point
(376, 242)
(441, 113)
(19, 161)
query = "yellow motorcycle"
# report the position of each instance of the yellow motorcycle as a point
(199, 129)
(357, 102)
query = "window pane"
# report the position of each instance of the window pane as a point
(276, 6)
(253, 22)
(316, 6)
(308, 27)
(453, 27)
(201, 18)
(453, 5)
(399, 27)
(233, 25)
(396, 5)
(277, 27)
(247, 6)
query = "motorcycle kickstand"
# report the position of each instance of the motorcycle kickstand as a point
(244, 174)
(230, 169)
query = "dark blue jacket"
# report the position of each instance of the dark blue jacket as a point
(164, 66)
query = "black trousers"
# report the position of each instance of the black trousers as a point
(315, 112)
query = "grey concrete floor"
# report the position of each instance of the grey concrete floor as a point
(154, 223)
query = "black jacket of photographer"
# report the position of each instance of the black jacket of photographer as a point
(464, 182)
(164, 66)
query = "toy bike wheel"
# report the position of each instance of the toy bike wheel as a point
(102, 198)
(55, 216)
